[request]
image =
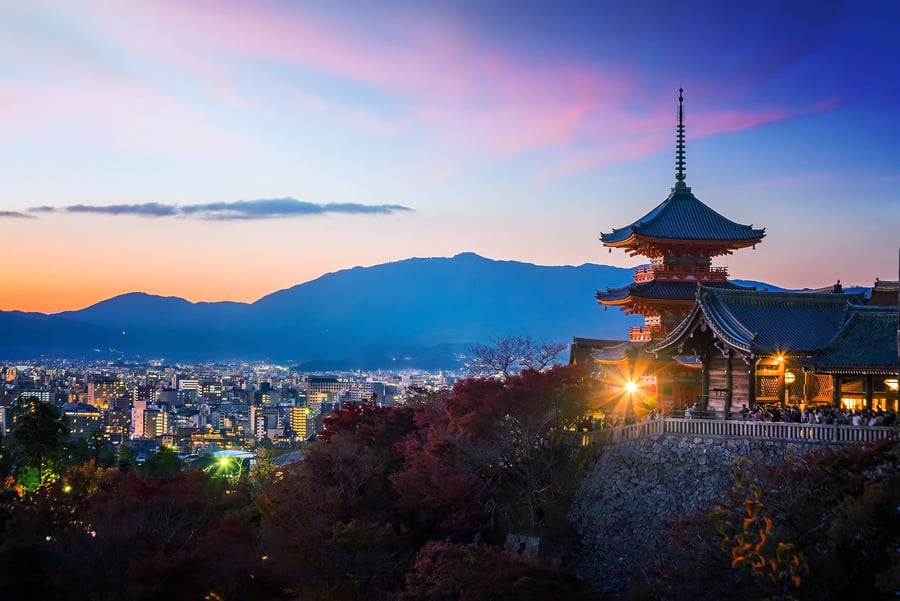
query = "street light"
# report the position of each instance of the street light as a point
(630, 388)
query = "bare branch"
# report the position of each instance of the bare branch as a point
(509, 355)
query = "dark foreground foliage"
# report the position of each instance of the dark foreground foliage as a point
(406, 502)
(823, 526)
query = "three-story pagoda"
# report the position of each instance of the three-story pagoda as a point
(680, 237)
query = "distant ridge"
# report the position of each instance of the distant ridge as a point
(418, 312)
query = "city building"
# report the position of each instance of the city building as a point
(300, 422)
(102, 390)
(83, 419)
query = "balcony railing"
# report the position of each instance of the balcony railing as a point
(679, 272)
(813, 433)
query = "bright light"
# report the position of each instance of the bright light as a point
(223, 461)
(789, 377)
(630, 387)
(67, 488)
(892, 384)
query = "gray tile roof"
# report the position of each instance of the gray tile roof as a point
(866, 343)
(764, 322)
(682, 216)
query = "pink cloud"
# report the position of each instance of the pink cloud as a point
(437, 75)
(434, 68)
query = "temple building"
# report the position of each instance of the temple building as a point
(711, 344)
(788, 348)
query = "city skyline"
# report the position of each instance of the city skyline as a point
(223, 151)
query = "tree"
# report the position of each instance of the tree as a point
(39, 433)
(333, 519)
(164, 463)
(491, 459)
(448, 572)
(104, 534)
(509, 355)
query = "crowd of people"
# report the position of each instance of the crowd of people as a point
(820, 414)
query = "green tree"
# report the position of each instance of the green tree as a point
(40, 434)
(164, 463)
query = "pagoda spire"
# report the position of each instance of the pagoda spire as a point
(679, 153)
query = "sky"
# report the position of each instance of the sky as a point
(223, 149)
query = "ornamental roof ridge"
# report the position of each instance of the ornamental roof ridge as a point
(779, 297)
(704, 295)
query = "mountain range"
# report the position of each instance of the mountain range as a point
(417, 313)
(420, 312)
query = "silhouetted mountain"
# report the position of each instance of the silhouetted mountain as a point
(411, 313)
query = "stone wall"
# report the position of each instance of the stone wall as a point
(637, 488)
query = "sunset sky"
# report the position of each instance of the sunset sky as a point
(224, 150)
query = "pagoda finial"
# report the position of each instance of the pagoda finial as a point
(679, 154)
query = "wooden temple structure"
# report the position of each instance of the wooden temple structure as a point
(712, 344)
(680, 237)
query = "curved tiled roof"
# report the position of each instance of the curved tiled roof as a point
(867, 343)
(766, 322)
(660, 289)
(682, 216)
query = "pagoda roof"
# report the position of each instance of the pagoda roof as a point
(685, 290)
(865, 344)
(762, 322)
(683, 217)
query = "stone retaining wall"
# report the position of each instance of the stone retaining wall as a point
(637, 488)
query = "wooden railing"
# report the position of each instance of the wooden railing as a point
(826, 433)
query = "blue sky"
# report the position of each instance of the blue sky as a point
(224, 150)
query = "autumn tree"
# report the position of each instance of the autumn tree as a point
(494, 452)
(332, 519)
(476, 572)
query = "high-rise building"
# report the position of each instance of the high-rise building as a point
(137, 419)
(299, 421)
(156, 422)
(102, 389)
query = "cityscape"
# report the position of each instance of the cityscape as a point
(200, 409)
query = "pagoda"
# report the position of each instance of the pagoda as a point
(680, 237)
